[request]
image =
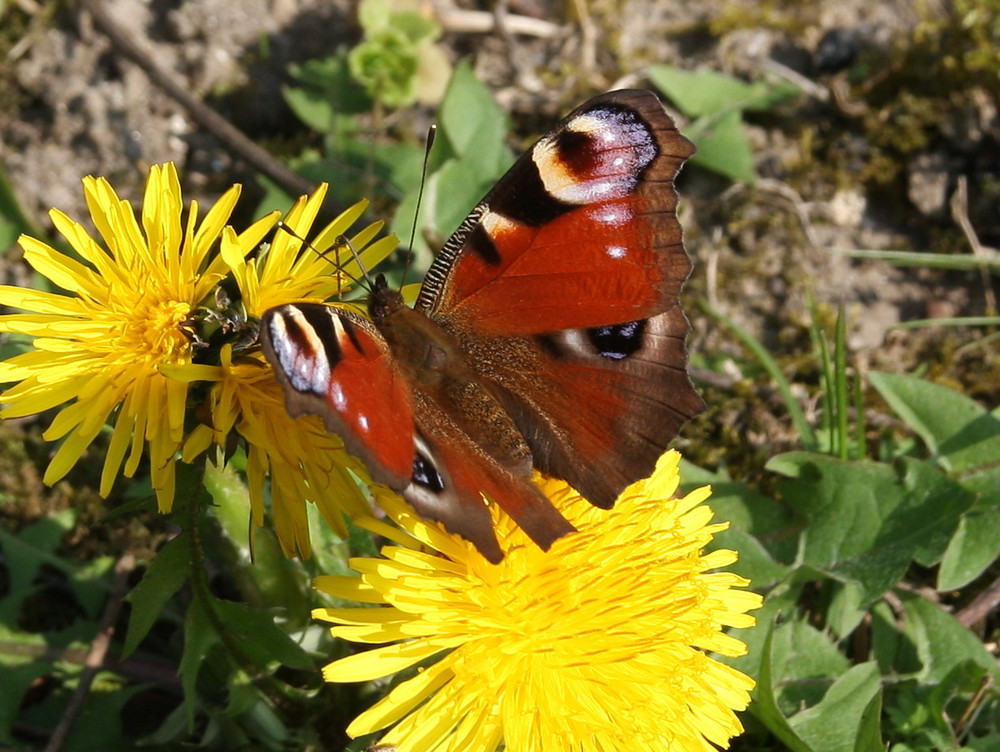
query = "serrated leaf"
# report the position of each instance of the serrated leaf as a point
(199, 637)
(866, 521)
(165, 575)
(99, 725)
(259, 637)
(958, 430)
(836, 723)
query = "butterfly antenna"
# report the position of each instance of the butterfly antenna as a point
(344, 241)
(340, 243)
(429, 144)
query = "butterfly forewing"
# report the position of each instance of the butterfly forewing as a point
(335, 364)
(582, 231)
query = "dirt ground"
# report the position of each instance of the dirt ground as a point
(832, 174)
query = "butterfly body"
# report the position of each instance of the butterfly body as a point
(547, 335)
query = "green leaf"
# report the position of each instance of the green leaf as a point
(262, 572)
(199, 637)
(755, 520)
(973, 548)
(16, 681)
(164, 577)
(471, 119)
(867, 523)
(736, 502)
(99, 725)
(765, 703)
(259, 637)
(805, 661)
(958, 430)
(416, 27)
(723, 146)
(310, 107)
(847, 609)
(847, 718)
(456, 189)
(13, 219)
(374, 15)
(755, 562)
(941, 641)
(325, 90)
(386, 66)
(32, 548)
(701, 93)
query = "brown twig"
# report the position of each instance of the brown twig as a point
(479, 21)
(960, 213)
(96, 655)
(980, 606)
(231, 137)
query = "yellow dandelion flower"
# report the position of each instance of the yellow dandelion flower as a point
(291, 272)
(101, 346)
(600, 644)
(304, 462)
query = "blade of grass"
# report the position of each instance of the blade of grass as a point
(840, 382)
(952, 321)
(806, 435)
(860, 429)
(823, 352)
(920, 258)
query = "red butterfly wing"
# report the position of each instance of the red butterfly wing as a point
(563, 285)
(581, 231)
(335, 364)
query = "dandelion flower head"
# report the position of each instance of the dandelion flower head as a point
(304, 462)
(599, 644)
(100, 344)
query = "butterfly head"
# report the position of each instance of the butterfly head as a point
(384, 300)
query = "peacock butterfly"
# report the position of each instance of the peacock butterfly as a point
(547, 334)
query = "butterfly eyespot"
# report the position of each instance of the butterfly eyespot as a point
(618, 341)
(425, 474)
